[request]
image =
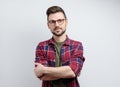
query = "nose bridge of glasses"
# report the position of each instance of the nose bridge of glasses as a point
(56, 22)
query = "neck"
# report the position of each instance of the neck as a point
(60, 38)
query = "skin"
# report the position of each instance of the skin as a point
(54, 73)
(58, 29)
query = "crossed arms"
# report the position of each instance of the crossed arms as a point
(53, 73)
(71, 70)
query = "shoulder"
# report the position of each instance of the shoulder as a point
(75, 42)
(43, 43)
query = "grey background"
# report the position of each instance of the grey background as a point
(96, 23)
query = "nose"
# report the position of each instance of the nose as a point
(56, 23)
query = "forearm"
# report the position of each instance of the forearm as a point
(58, 72)
(48, 78)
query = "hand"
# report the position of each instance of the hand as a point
(39, 70)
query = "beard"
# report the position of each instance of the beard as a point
(59, 34)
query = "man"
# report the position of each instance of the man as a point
(59, 60)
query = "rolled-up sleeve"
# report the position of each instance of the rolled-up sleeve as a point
(40, 56)
(77, 59)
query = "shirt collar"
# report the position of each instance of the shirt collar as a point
(66, 42)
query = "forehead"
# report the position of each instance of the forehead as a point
(55, 16)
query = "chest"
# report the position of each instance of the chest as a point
(66, 52)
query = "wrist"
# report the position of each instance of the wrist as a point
(45, 70)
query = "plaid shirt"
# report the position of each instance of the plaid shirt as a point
(71, 55)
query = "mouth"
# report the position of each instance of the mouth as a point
(58, 32)
(57, 28)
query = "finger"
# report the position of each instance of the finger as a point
(36, 64)
(41, 77)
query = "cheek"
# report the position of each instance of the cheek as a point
(51, 28)
(64, 26)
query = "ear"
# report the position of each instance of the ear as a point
(48, 25)
(66, 21)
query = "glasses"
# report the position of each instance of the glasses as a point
(59, 21)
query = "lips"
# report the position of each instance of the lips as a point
(57, 30)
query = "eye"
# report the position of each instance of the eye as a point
(52, 21)
(60, 20)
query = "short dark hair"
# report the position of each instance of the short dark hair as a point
(54, 9)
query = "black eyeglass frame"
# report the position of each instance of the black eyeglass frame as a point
(59, 21)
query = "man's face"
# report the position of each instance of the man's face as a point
(57, 23)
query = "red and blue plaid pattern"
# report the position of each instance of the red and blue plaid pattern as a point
(71, 55)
